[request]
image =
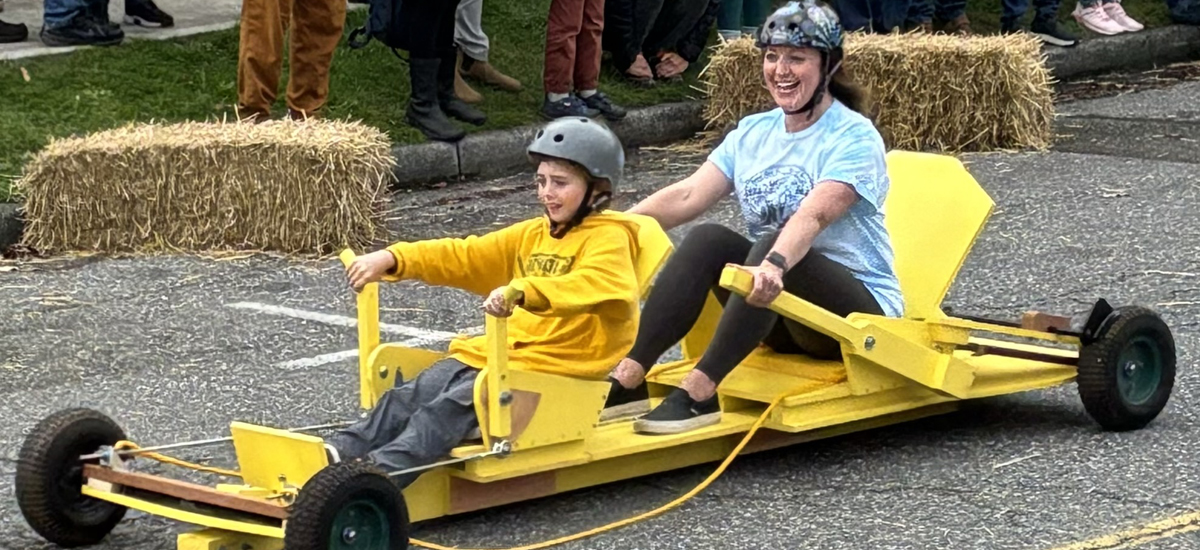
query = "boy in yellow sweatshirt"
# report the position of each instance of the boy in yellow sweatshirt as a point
(576, 314)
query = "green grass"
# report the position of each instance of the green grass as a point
(195, 79)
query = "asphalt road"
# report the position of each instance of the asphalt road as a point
(175, 348)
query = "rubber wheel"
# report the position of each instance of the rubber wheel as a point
(1126, 376)
(49, 475)
(348, 506)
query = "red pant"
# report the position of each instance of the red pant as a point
(573, 34)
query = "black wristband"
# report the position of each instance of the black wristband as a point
(777, 260)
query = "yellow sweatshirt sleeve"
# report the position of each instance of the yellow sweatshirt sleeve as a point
(477, 264)
(603, 278)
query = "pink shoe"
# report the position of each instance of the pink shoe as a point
(1096, 20)
(1118, 15)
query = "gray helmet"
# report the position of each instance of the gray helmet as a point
(808, 23)
(583, 141)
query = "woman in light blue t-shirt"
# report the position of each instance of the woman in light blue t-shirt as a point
(811, 179)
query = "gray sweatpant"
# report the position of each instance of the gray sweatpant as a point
(416, 423)
(468, 30)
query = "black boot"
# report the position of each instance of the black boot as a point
(450, 103)
(424, 113)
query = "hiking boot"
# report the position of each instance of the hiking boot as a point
(13, 32)
(1095, 19)
(600, 102)
(463, 90)
(82, 31)
(567, 107)
(679, 413)
(1117, 14)
(449, 102)
(484, 72)
(424, 111)
(146, 14)
(623, 402)
(1051, 32)
(959, 25)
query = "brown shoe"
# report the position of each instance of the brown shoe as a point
(461, 88)
(483, 71)
(959, 25)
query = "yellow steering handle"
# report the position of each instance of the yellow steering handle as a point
(347, 257)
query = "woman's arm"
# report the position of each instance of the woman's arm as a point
(685, 200)
(827, 202)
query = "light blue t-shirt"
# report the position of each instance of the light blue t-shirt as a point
(773, 170)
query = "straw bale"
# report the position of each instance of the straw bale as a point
(310, 187)
(929, 92)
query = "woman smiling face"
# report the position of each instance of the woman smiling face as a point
(791, 75)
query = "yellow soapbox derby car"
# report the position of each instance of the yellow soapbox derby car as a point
(543, 434)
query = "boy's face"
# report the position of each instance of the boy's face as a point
(561, 188)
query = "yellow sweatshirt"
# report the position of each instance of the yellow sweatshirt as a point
(581, 304)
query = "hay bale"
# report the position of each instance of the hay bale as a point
(930, 92)
(309, 187)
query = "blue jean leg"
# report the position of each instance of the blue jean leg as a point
(1186, 12)
(59, 13)
(947, 10)
(919, 11)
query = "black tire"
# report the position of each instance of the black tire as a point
(49, 474)
(354, 496)
(1115, 393)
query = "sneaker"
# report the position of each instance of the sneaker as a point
(13, 32)
(600, 102)
(1118, 15)
(82, 31)
(624, 402)
(1096, 20)
(145, 13)
(1051, 32)
(570, 106)
(679, 413)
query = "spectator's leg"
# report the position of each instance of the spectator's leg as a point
(76, 23)
(315, 33)
(729, 19)
(1011, 14)
(145, 13)
(447, 70)
(754, 13)
(587, 62)
(260, 58)
(474, 45)
(626, 23)
(674, 23)
(1184, 12)
(563, 26)
(427, 41)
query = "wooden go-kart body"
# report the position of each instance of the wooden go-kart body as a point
(542, 434)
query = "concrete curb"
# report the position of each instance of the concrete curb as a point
(502, 152)
(1126, 51)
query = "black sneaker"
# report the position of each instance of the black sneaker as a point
(570, 106)
(600, 102)
(146, 14)
(13, 32)
(1052, 33)
(679, 413)
(624, 402)
(82, 31)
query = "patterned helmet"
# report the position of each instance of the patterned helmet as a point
(807, 23)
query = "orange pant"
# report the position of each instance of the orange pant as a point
(316, 28)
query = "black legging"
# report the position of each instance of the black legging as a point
(429, 27)
(695, 268)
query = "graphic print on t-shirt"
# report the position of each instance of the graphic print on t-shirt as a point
(546, 265)
(770, 197)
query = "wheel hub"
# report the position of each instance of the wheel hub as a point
(1141, 370)
(361, 524)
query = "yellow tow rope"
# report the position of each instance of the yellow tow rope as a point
(122, 445)
(658, 511)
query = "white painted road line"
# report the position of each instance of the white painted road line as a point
(309, 362)
(344, 321)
